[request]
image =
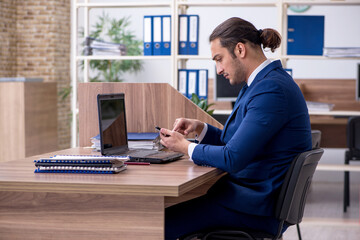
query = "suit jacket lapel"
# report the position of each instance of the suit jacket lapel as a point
(236, 106)
(258, 77)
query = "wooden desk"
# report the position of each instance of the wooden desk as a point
(332, 125)
(128, 205)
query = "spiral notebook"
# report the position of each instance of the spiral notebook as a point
(81, 164)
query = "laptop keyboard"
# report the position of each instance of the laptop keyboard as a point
(141, 153)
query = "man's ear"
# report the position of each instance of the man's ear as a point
(240, 49)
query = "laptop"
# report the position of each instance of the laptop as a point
(113, 132)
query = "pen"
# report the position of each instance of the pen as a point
(159, 128)
(137, 163)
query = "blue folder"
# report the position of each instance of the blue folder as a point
(157, 35)
(193, 35)
(148, 38)
(305, 35)
(166, 35)
(144, 136)
(203, 83)
(183, 34)
(183, 81)
(193, 82)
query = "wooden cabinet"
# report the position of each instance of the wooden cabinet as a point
(28, 119)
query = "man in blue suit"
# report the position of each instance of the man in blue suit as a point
(267, 128)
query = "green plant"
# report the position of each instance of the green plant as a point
(64, 92)
(115, 31)
(202, 103)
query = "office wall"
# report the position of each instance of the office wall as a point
(35, 42)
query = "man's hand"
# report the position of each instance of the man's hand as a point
(186, 126)
(174, 141)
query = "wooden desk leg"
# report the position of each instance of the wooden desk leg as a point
(25, 215)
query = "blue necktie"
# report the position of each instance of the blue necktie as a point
(242, 91)
(232, 115)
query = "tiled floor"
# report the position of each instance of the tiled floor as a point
(324, 218)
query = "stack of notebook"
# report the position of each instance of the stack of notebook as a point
(81, 164)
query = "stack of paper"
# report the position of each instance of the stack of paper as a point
(148, 140)
(95, 142)
(319, 106)
(95, 46)
(342, 52)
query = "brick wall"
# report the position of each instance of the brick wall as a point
(7, 38)
(35, 42)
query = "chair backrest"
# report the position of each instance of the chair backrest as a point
(316, 138)
(291, 202)
(353, 135)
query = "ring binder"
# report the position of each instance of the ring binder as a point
(203, 84)
(193, 37)
(148, 35)
(183, 81)
(193, 80)
(166, 35)
(183, 34)
(157, 32)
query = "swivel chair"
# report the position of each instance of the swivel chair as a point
(316, 138)
(289, 206)
(351, 154)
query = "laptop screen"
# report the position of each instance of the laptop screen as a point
(112, 123)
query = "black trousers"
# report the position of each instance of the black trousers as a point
(204, 213)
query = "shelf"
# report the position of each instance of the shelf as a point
(104, 57)
(199, 57)
(195, 57)
(124, 4)
(227, 3)
(180, 7)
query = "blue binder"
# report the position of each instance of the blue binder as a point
(193, 82)
(183, 81)
(305, 35)
(193, 35)
(148, 38)
(166, 35)
(183, 34)
(203, 84)
(157, 34)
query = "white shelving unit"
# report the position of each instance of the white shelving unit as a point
(177, 7)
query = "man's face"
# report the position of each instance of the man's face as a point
(226, 64)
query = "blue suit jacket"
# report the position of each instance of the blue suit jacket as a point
(268, 127)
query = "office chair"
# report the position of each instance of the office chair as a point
(316, 138)
(351, 154)
(289, 206)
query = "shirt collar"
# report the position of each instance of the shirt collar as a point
(257, 70)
